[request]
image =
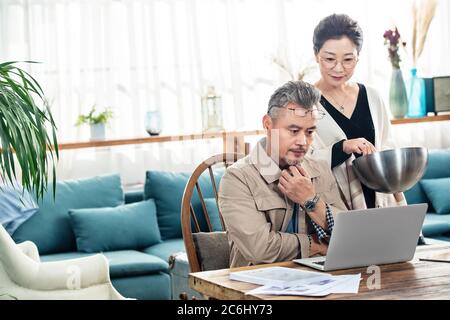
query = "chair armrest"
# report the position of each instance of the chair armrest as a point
(30, 249)
(72, 274)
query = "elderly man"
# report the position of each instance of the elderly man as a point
(277, 204)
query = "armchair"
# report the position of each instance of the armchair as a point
(23, 276)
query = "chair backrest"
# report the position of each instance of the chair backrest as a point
(206, 250)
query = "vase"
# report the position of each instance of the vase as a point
(153, 123)
(97, 131)
(398, 99)
(416, 96)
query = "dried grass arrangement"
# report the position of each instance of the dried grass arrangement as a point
(299, 74)
(423, 12)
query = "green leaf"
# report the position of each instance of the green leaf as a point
(24, 119)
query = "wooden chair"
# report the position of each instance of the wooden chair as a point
(192, 233)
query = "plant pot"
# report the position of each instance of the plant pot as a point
(97, 131)
(398, 100)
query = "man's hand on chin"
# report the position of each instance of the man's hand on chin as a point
(296, 184)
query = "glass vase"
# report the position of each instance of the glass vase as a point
(416, 96)
(398, 99)
(153, 123)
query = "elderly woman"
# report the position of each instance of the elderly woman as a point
(356, 121)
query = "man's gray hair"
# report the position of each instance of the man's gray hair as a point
(299, 92)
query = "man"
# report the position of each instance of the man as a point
(276, 204)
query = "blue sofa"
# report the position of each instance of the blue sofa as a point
(434, 189)
(95, 215)
(67, 228)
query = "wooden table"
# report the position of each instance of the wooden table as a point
(411, 280)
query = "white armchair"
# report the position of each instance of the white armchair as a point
(23, 276)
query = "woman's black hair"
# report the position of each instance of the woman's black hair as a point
(337, 26)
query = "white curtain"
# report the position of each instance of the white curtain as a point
(140, 55)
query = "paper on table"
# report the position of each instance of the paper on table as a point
(318, 286)
(280, 277)
(350, 285)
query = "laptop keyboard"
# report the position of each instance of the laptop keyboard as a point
(320, 263)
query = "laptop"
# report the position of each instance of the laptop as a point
(377, 236)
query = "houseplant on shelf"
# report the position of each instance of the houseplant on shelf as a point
(398, 100)
(97, 122)
(27, 129)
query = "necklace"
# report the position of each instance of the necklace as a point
(339, 105)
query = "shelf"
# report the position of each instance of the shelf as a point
(233, 136)
(236, 137)
(445, 117)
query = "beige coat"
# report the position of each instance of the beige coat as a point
(329, 132)
(257, 214)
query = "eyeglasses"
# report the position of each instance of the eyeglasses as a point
(331, 63)
(300, 112)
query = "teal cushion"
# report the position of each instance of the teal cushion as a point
(432, 228)
(124, 263)
(167, 189)
(213, 213)
(166, 248)
(150, 287)
(129, 263)
(436, 224)
(134, 196)
(126, 227)
(437, 167)
(437, 190)
(50, 228)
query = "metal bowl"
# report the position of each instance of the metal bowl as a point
(391, 171)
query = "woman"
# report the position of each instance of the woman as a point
(356, 121)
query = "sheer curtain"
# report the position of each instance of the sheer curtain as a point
(140, 55)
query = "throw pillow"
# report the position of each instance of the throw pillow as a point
(126, 227)
(167, 189)
(437, 191)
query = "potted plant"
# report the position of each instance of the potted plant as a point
(96, 121)
(27, 133)
(27, 130)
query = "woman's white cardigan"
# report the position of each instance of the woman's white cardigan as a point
(329, 132)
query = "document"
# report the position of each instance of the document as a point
(315, 287)
(289, 281)
(274, 276)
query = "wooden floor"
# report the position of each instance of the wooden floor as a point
(412, 280)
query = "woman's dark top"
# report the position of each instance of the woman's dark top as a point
(360, 125)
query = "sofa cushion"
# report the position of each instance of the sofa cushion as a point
(50, 227)
(437, 168)
(213, 213)
(126, 227)
(167, 189)
(121, 263)
(155, 286)
(133, 263)
(165, 249)
(437, 191)
(436, 224)
(134, 196)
